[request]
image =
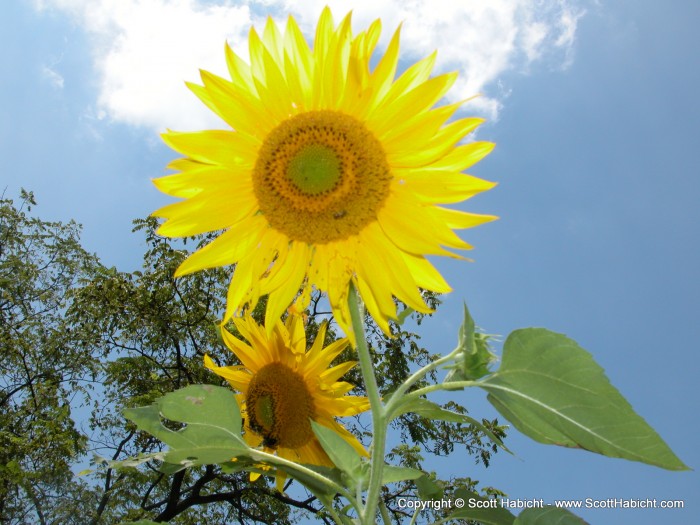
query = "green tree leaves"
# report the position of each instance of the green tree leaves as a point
(43, 364)
(552, 390)
(69, 322)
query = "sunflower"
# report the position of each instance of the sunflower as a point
(283, 388)
(332, 173)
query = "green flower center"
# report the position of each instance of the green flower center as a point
(315, 169)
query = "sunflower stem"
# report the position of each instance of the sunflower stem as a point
(398, 396)
(273, 459)
(367, 517)
(328, 504)
(385, 513)
(452, 385)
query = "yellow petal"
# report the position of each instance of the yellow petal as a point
(206, 211)
(297, 334)
(285, 283)
(298, 65)
(333, 374)
(316, 364)
(225, 148)
(398, 280)
(239, 70)
(440, 146)
(464, 156)
(227, 248)
(425, 274)
(441, 186)
(242, 110)
(206, 177)
(417, 235)
(414, 102)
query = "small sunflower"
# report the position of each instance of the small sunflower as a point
(283, 388)
(332, 173)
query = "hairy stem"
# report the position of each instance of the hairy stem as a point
(453, 385)
(379, 422)
(398, 396)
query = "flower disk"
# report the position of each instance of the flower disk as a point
(280, 407)
(284, 387)
(321, 176)
(332, 173)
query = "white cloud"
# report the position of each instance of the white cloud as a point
(53, 77)
(144, 50)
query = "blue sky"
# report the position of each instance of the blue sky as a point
(594, 109)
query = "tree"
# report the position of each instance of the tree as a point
(134, 336)
(44, 364)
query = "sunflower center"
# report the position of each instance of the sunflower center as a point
(314, 169)
(321, 176)
(280, 407)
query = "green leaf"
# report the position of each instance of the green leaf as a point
(552, 390)
(474, 359)
(212, 431)
(325, 487)
(547, 516)
(428, 489)
(131, 462)
(466, 332)
(171, 468)
(487, 511)
(340, 452)
(212, 406)
(241, 464)
(404, 315)
(394, 474)
(200, 454)
(430, 410)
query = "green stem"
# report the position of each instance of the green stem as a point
(367, 516)
(385, 513)
(397, 397)
(264, 457)
(328, 505)
(454, 385)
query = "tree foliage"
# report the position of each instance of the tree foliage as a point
(80, 342)
(46, 362)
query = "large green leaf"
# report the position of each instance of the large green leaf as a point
(394, 474)
(552, 390)
(428, 489)
(547, 516)
(211, 419)
(340, 452)
(348, 461)
(327, 484)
